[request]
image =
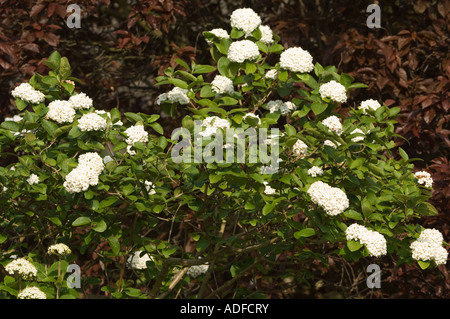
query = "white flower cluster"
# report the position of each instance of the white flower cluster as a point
(135, 261)
(331, 144)
(222, 85)
(27, 93)
(80, 101)
(254, 116)
(334, 91)
(280, 106)
(243, 50)
(59, 250)
(334, 124)
(219, 33)
(22, 268)
(266, 34)
(150, 187)
(33, 179)
(296, 60)
(369, 105)
(268, 189)
(424, 178)
(61, 111)
(15, 118)
(211, 124)
(195, 271)
(374, 241)
(357, 138)
(176, 95)
(428, 247)
(90, 166)
(315, 171)
(271, 74)
(245, 19)
(300, 149)
(31, 293)
(108, 114)
(136, 133)
(333, 200)
(91, 122)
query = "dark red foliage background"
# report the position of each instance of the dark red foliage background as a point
(123, 45)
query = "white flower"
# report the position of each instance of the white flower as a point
(33, 179)
(245, 19)
(92, 161)
(254, 116)
(80, 101)
(369, 104)
(331, 144)
(219, 33)
(136, 134)
(271, 74)
(27, 93)
(15, 118)
(90, 166)
(374, 241)
(59, 250)
(150, 187)
(197, 270)
(22, 268)
(334, 91)
(424, 178)
(107, 159)
(266, 34)
(268, 189)
(280, 106)
(78, 180)
(61, 111)
(243, 50)
(211, 124)
(315, 171)
(334, 124)
(333, 200)
(296, 60)
(357, 138)
(428, 247)
(31, 293)
(222, 85)
(91, 122)
(300, 149)
(176, 95)
(135, 261)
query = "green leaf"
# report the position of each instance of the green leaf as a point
(268, 208)
(108, 201)
(50, 127)
(183, 64)
(306, 232)
(99, 225)
(81, 221)
(276, 48)
(354, 245)
(426, 209)
(53, 61)
(206, 91)
(21, 104)
(318, 107)
(64, 68)
(199, 68)
(133, 117)
(226, 100)
(180, 83)
(202, 244)
(403, 154)
(157, 127)
(236, 34)
(353, 214)
(119, 146)
(11, 126)
(423, 264)
(223, 66)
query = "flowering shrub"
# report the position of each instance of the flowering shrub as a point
(105, 182)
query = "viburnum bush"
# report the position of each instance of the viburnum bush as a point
(107, 185)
